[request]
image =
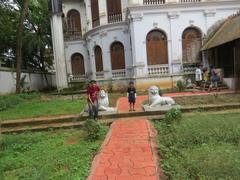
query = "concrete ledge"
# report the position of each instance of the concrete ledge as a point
(39, 124)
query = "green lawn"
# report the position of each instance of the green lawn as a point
(36, 108)
(201, 146)
(207, 99)
(62, 154)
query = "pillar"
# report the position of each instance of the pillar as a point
(58, 44)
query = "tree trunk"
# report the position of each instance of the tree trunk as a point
(20, 44)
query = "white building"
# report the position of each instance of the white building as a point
(147, 41)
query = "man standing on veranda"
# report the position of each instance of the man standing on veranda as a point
(92, 98)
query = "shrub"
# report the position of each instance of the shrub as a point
(173, 115)
(92, 129)
(181, 85)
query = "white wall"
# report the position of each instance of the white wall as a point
(36, 81)
(173, 19)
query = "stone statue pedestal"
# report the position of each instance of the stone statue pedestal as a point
(163, 108)
(157, 102)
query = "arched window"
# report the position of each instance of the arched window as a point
(157, 52)
(117, 56)
(98, 59)
(74, 23)
(77, 62)
(114, 10)
(191, 45)
(95, 13)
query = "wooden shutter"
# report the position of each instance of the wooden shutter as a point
(78, 64)
(157, 48)
(117, 56)
(95, 13)
(98, 59)
(191, 44)
(74, 21)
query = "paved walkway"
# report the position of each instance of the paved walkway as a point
(128, 153)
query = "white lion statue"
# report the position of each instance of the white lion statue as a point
(103, 102)
(156, 100)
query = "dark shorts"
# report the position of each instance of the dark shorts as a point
(131, 99)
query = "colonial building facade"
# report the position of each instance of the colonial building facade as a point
(146, 41)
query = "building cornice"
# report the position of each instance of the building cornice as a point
(185, 6)
(105, 28)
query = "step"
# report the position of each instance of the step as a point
(39, 121)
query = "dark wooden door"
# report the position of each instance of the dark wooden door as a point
(117, 56)
(74, 22)
(237, 65)
(157, 51)
(98, 59)
(95, 13)
(191, 45)
(78, 64)
(114, 7)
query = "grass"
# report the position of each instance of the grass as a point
(62, 154)
(36, 108)
(208, 99)
(201, 146)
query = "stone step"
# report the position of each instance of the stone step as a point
(40, 120)
(77, 121)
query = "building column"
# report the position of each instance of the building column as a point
(138, 46)
(102, 4)
(174, 45)
(88, 14)
(58, 51)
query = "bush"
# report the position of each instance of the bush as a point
(92, 129)
(181, 85)
(173, 115)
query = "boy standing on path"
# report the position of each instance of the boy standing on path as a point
(92, 98)
(131, 93)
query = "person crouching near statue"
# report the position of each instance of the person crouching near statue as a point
(92, 98)
(131, 93)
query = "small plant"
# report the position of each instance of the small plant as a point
(173, 115)
(110, 86)
(181, 85)
(92, 129)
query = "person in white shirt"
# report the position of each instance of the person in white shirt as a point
(198, 76)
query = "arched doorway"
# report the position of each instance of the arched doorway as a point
(98, 59)
(191, 45)
(74, 23)
(114, 10)
(117, 56)
(157, 51)
(77, 62)
(95, 13)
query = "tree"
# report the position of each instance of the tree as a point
(19, 40)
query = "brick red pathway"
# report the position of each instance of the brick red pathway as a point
(128, 153)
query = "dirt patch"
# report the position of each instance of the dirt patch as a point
(71, 141)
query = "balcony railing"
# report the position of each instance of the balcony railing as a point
(72, 35)
(120, 73)
(100, 75)
(112, 18)
(153, 1)
(96, 23)
(189, 1)
(158, 70)
(189, 69)
(77, 78)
